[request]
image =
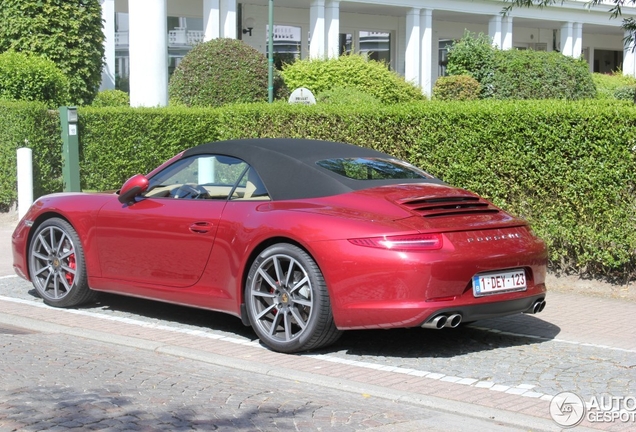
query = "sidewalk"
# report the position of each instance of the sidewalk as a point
(8, 221)
(570, 318)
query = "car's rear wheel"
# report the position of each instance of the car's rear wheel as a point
(56, 265)
(287, 301)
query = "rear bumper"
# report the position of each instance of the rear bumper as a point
(397, 314)
(375, 288)
(475, 312)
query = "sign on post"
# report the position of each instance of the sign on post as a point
(302, 95)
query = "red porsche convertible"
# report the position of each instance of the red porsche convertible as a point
(301, 239)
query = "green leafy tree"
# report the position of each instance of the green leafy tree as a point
(629, 24)
(67, 32)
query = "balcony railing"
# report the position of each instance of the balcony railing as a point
(176, 37)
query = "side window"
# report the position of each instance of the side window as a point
(199, 177)
(251, 187)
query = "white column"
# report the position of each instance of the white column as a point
(494, 30)
(426, 24)
(148, 47)
(211, 19)
(577, 46)
(317, 29)
(25, 180)
(567, 43)
(506, 33)
(590, 59)
(332, 21)
(228, 19)
(412, 61)
(629, 58)
(108, 72)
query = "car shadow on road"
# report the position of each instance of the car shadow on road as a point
(157, 312)
(485, 335)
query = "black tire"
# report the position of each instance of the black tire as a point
(287, 301)
(56, 265)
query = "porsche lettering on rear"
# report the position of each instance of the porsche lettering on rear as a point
(494, 238)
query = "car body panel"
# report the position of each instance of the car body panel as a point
(198, 252)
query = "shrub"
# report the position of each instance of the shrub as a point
(27, 77)
(456, 87)
(625, 93)
(346, 96)
(520, 74)
(351, 71)
(67, 32)
(111, 98)
(218, 72)
(476, 57)
(528, 74)
(607, 84)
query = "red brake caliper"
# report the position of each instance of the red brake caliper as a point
(71, 265)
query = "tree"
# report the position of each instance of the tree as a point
(67, 32)
(629, 24)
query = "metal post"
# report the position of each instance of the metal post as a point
(25, 180)
(70, 149)
(270, 41)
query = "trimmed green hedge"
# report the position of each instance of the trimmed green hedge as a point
(569, 168)
(119, 142)
(29, 124)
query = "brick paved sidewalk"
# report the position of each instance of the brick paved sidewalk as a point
(505, 405)
(579, 319)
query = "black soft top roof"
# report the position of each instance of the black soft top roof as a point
(288, 166)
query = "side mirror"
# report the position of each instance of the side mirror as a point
(134, 186)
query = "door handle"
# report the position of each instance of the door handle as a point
(200, 227)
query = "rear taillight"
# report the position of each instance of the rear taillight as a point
(415, 242)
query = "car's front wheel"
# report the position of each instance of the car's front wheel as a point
(56, 265)
(287, 301)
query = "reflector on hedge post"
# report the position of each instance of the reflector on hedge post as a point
(70, 149)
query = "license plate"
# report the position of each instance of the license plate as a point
(497, 282)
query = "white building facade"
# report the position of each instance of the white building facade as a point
(145, 39)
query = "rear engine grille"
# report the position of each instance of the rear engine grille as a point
(448, 206)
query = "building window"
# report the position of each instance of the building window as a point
(376, 45)
(607, 61)
(345, 43)
(287, 42)
(444, 44)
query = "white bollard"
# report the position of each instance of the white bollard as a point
(25, 180)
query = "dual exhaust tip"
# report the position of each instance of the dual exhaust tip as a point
(441, 321)
(537, 307)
